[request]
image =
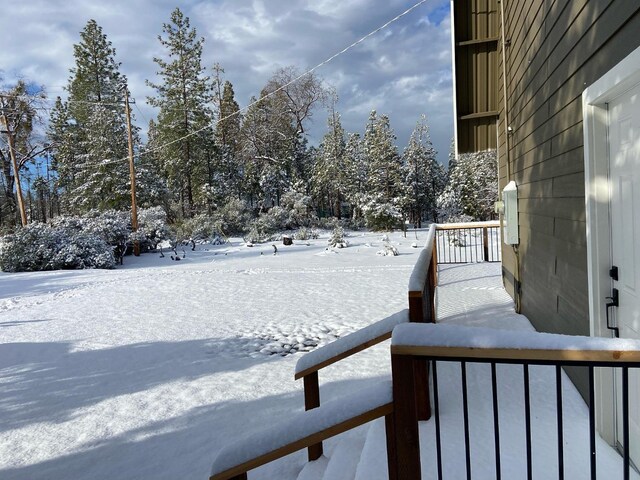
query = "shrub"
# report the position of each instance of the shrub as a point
(337, 240)
(381, 215)
(38, 246)
(305, 233)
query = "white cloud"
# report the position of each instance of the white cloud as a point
(403, 71)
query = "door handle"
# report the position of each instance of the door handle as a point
(614, 302)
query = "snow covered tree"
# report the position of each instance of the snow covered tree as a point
(183, 96)
(355, 174)
(387, 195)
(329, 173)
(472, 189)
(224, 167)
(88, 130)
(19, 108)
(424, 176)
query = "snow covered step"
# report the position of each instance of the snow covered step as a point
(314, 470)
(373, 460)
(343, 463)
(302, 430)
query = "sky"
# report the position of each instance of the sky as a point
(403, 71)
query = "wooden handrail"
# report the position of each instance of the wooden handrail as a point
(379, 404)
(308, 366)
(349, 345)
(460, 226)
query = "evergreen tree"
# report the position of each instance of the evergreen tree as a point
(387, 194)
(88, 130)
(472, 188)
(182, 97)
(423, 174)
(355, 174)
(329, 173)
(227, 174)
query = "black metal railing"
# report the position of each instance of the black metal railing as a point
(623, 367)
(404, 356)
(468, 243)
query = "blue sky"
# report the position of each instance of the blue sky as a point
(403, 71)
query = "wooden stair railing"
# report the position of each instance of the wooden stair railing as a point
(305, 429)
(422, 286)
(308, 366)
(317, 423)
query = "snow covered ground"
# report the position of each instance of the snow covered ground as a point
(146, 371)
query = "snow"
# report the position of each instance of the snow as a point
(150, 370)
(419, 274)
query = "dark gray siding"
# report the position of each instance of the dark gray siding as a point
(556, 49)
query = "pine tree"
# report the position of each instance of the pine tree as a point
(228, 171)
(423, 174)
(88, 130)
(355, 174)
(329, 173)
(182, 97)
(472, 188)
(387, 194)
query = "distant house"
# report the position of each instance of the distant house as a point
(555, 87)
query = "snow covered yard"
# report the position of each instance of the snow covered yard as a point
(147, 370)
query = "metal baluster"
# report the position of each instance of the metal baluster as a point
(527, 419)
(496, 422)
(559, 422)
(465, 406)
(436, 409)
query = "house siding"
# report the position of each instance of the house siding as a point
(555, 49)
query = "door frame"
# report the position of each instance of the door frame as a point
(595, 99)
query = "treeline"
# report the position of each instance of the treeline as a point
(204, 157)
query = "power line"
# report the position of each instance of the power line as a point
(279, 89)
(282, 87)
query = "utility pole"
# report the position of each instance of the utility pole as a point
(132, 173)
(16, 176)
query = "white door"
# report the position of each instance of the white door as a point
(624, 168)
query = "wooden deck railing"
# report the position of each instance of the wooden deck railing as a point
(422, 285)
(468, 242)
(449, 343)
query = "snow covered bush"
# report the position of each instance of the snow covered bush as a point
(200, 228)
(380, 215)
(63, 245)
(387, 249)
(234, 217)
(298, 208)
(152, 228)
(305, 233)
(337, 240)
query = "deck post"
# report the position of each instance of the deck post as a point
(392, 454)
(485, 242)
(406, 463)
(312, 400)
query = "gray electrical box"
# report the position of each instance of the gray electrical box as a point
(510, 218)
